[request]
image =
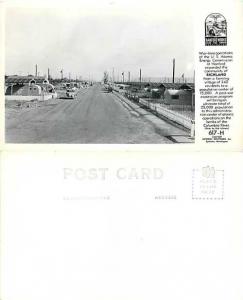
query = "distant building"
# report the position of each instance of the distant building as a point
(184, 95)
(20, 87)
(23, 90)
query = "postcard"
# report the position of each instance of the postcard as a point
(127, 226)
(121, 139)
(122, 75)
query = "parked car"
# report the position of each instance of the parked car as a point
(70, 93)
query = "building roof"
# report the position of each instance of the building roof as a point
(166, 85)
(169, 85)
(187, 86)
(25, 79)
(173, 91)
(152, 84)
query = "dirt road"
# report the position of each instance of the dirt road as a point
(94, 116)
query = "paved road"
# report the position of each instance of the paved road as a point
(93, 117)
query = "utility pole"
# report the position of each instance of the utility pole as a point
(193, 92)
(48, 73)
(113, 74)
(36, 72)
(140, 77)
(173, 78)
(123, 76)
(129, 76)
(61, 74)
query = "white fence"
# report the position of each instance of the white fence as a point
(30, 98)
(171, 115)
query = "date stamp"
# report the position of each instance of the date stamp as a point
(207, 184)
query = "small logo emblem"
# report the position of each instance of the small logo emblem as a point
(208, 172)
(215, 30)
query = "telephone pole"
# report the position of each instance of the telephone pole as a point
(173, 78)
(113, 74)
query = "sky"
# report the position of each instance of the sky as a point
(86, 41)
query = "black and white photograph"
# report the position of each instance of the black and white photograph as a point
(121, 154)
(101, 74)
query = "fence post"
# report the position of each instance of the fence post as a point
(192, 128)
(192, 103)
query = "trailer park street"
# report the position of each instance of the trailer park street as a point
(94, 116)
